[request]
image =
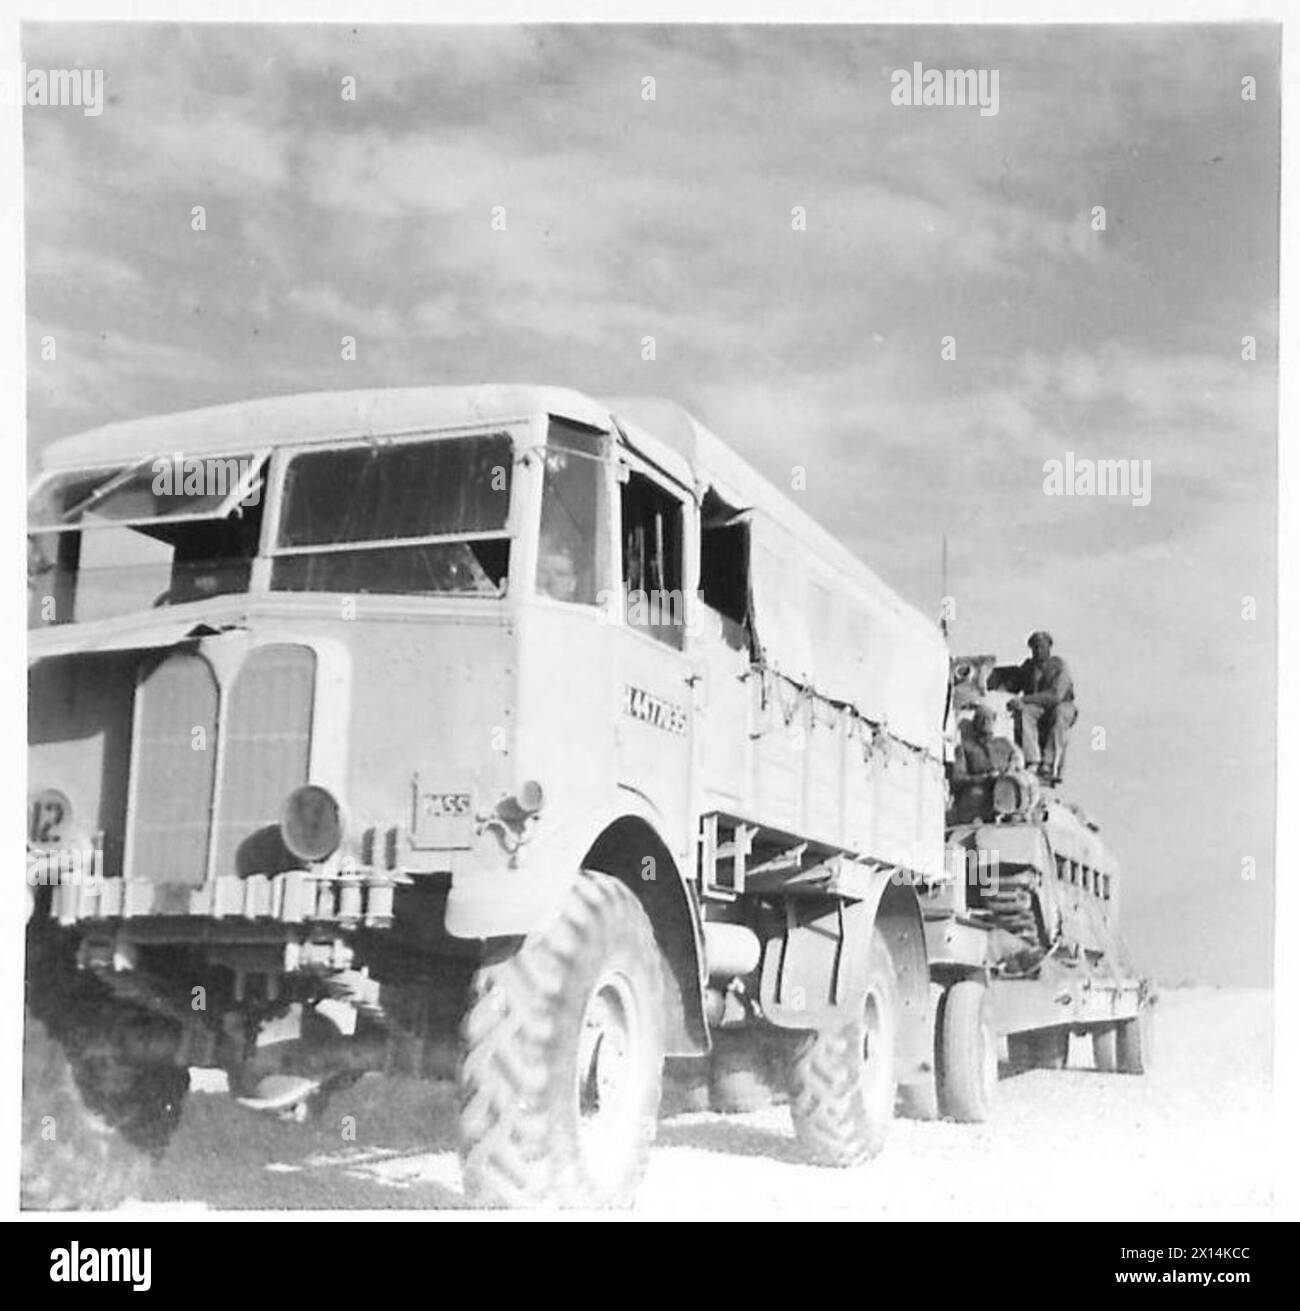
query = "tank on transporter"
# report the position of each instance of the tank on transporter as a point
(1022, 933)
(493, 734)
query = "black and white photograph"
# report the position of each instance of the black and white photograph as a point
(660, 619)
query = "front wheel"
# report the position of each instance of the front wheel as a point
(967, 1054)
(843, 1079)
(93, 1128)
(563, 1058)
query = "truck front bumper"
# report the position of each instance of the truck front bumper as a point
(348, 899)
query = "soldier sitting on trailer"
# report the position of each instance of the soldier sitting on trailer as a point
(1044, 708)
(981, 757)
(981, 753)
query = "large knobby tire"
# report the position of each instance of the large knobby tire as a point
(563, 1056)
(1104, 1043)
(967, 1054)
(843, 1079)
(92, 1130)
(1135, 1043)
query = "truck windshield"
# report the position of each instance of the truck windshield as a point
(110, 541)
(415, 516)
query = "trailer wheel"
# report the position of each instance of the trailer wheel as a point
(968, 1054)
(1104, 1044)
(563, 1058)
(843, 1079)
(1043, 1049)
(92, 1130)
(1135, 1043)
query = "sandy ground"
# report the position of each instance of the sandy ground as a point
(1192, 1139)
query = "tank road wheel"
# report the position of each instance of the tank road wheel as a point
(843, 1079)
(563, 1058)
(1135, 1043)
(93, 1129)
(1043, 1049)
(1104, 1049)
(967, 1063)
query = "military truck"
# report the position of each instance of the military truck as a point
(492, 733)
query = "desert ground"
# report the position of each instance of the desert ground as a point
(1192, 1139)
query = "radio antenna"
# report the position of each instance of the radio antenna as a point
(943, 586)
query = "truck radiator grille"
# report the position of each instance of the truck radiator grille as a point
(173, 756)
(264, 725)
(265, 751)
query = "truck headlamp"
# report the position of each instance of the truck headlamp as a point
(312, 822)
(529, 796)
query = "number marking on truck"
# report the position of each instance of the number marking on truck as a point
(444, 805)
(653, 710)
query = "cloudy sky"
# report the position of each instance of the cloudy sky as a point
(816, 344)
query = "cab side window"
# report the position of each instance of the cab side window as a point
(571, 548)
(652, 560)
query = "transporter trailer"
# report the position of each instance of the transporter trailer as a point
(502, 735)
(1022, 932)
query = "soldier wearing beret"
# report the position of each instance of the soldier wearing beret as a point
(1044, 708)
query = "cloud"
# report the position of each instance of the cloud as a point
(104, 373)
(670, 217)
(52, 266)
(321, 301)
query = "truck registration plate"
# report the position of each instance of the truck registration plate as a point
(442, 819)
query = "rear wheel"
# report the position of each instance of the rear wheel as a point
(967, 1054)
(1135, 1043)
(1103, 1049)
(563, 1058)
(843, 1079)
